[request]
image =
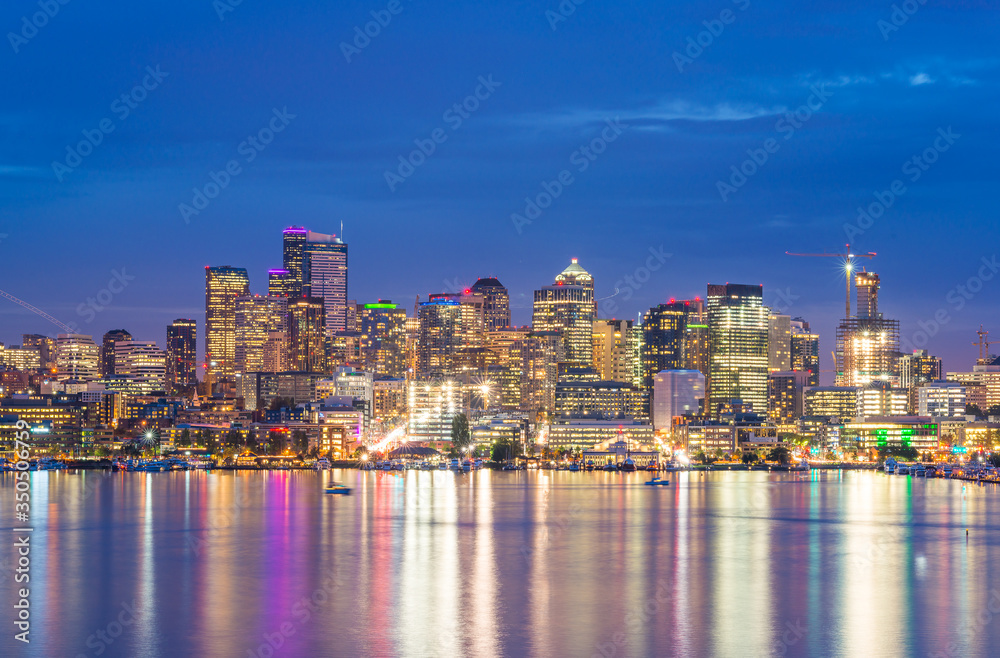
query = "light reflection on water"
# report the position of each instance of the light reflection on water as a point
(499, 563)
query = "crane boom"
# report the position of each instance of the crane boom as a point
(65, 327)
(848, 266)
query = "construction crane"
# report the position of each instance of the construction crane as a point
(65, 327)
(984, 345)
(848, 257)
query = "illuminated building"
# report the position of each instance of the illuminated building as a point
(785, 396)
(77, 357)
(867, 344)
(258, 389)
(944, 399)
(52, 422)
(676, 393)
(107, 353)
(344, 349)
(182, 355)
(281, 283)
(503, 428)
(917, 369)
(258, 317)
(583, 395)
(881, 399)
(738, 326)
(275, 353)
(306, 323)
(575, 275)
(663, 337)
(359, 385)
(568, 308)
(805, 350)
(779, 343)
(707, 437)
(496, 307)
(541, 353)
(696, 336)
(293, 261)
(143, 364)
(325, 277)
(383, 338)
(920, 432)
(613, 356)
(222, 286)
(585, 434)
(449, 329)
(20, 358)
(431, 406)
(390, 397)
(839, 402)
(46, 348)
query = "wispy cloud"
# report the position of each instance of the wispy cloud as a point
(650, 117)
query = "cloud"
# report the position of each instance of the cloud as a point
(921, 79)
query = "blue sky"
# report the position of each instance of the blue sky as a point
(883, 96)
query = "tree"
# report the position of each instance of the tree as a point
(185, 439)
(701, 456)
(748, 457)
(300, 441)
(251, 442)
(779, 454)
(973, 410)
(233, 439)
(461, 438)
(993, 410)
(275, 442)
(280, 403)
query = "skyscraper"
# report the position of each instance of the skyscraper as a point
(738, 325)
(805, 350)
(143, 364)
(567, 307)
(440, 337)
(676, 393)
(77, 357)
(496, 307)
(293, 260)
(663, 337)
(779, 343)
(258, 318)
(108, 350)
(867, 344)
(696, 336)
(281, 283)
(307, 335)
(182, 356)
(222, 286)
(325, 277)
(613, 355)
(383, 338)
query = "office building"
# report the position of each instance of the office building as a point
(450, 330)
(941, 399)
(306, 327)
(325, 277)
(260, 320)
(182, 356)
(281, 283)
(568, 308)
(881, 399)
(541, 354)
(779, 343)
(867, 344)
(839, 402)
(382, 329)
(222, 286)
(696, 336)
(359, 385)
(390, 398)
(20, 358)
(431, 406)
(587, 433)
(613, 357)
(677, 393)
(663, 337)
(108, 350)
(293, 261)
(142, 364)
(786, 396)
(496, 307)
(738, 352)
(805, 350)
(77, 357)
(46, 348)
(919, 432)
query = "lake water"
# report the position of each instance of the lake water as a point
(505, 563)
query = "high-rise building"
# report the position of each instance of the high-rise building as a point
(613, 356)
(222, 286)
(77, 357)
(306, 322)
(663, 338)
(182, 356)
(46, 348)
(696, 336)
(944, 399)
(496, 307)
(867, 344)
(431, 405)
(805, 350)
(293, 260)
(738, 325)
(108, 350)
(448, 330)
(839, 402)
(143, 364)
(676, 393)
(258, 317)
(877, 399)
(785, 396)
(325, 272)
(779, 343)
(541, 353)
(916, 370)
(281, 283)
(568, 308)
(383, 338)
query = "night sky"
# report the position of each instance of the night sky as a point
(879, 92)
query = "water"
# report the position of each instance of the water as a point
(500, 563)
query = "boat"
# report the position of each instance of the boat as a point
(322, 464)
(890, 465)
(50, 464)
(628, 465)
(657, 482)
(574, 467)
(918, 470)
(609, 467)
(590, 465)
(653, 467)
(337, 488)
(442, 466)
(902, 469)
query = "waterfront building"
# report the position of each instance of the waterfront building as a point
(586, 434)
(567, 307)
(941, 399)
(222, 286)
(390, 398)
(583, 395)
(182, 356)
(916, 369)
(431, 406)
(881, 399)
(840, 402)
(919, 432)
(359, 385)
(805, 350)
(868, 344)
(258, 317)
(325, 277)
(677, 393)
(709, 437)
(77, 357)
(496, 303)
(738, 328)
